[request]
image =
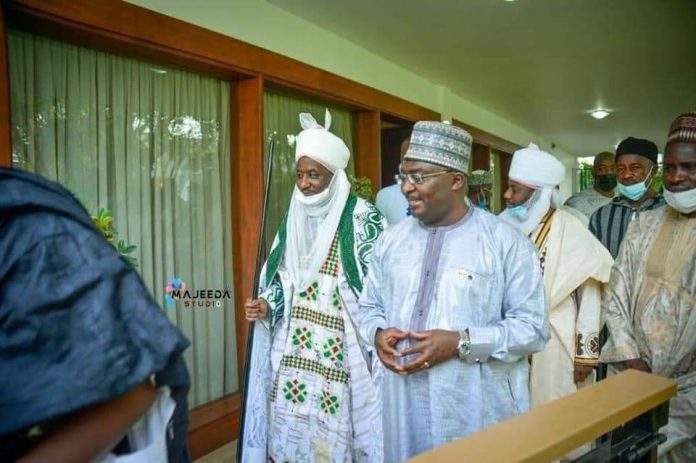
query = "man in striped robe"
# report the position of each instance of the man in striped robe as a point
(636, 167)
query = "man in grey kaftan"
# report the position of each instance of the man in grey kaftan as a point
(651, 315)
(453, 303)
(601, 192)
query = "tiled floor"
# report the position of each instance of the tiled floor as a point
(226, 454)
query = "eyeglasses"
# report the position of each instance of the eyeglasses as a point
(417, 178)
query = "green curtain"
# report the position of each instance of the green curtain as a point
(282, 123)
(586, 177)
(151, 144)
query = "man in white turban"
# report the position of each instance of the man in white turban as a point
(311, 391)
(574, 265)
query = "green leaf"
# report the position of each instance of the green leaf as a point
(129, 249)
(104, 221)
(362, 187)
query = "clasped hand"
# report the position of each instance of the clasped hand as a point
(430, 348)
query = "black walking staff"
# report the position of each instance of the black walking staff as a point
(260, 257)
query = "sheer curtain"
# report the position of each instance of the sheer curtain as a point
(282, 123)
(151, 144)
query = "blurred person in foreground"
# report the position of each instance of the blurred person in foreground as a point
(89, 363)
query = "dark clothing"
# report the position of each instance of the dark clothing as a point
(609, 222)
(77, 324)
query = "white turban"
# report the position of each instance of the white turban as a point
(539, 170)
(321, 145)
(535, 168)
(313, 220)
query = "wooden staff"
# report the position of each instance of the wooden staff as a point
(260, 258)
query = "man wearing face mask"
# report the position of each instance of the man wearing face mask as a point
(311, 391)
(574, 266)
(601, 192)
(636, 167)
(480, 184)
(651, 315)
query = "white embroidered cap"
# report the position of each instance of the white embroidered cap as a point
(480, 177)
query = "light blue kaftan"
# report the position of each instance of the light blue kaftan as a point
(481, 274)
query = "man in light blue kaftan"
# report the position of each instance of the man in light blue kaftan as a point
(453, 303)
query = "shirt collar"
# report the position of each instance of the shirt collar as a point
(621, 201)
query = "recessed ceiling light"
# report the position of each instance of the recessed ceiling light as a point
(599, 113)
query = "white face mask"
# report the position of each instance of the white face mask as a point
(683, 201)
(637, 190)
(313, 200)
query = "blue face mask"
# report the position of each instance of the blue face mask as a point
(482, 202)
(518, 211)
(636, 191)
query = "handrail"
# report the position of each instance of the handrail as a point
(554, 429)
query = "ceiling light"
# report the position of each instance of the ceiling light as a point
(599, 113)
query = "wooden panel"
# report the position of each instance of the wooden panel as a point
(151, 46)
(127, 28)
(247, 197)
(488, 139)
(366, 149)
(390, 148)
(311, 94)
(5, 123)
(480, 157)
(213, 425)
(576, 419)
(505, 162)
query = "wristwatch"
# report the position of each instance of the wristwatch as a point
(464, 346)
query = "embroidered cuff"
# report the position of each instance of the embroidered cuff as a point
(587, 346)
